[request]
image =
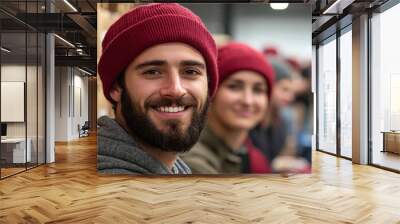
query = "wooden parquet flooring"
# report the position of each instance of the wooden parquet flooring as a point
(10, 171)
(70, 191)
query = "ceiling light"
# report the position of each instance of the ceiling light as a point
(279, 6)
(70, 5)
(65, 41)
(5, 49)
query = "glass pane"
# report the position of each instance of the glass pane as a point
(386, 89)
(327, 97)
(41, 98)
(31, 97)
(346, 94)
(14, 153)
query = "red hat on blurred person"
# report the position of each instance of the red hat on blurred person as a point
(294, 64)
(270, 51)
(235, 57)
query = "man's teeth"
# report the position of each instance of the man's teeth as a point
(171, 109)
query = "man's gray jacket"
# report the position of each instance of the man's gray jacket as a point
(118, 153)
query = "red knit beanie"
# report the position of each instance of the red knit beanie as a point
(294, 64)
(270, 51)
(235, 57)
(149, 25)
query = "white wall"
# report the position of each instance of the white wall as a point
(69, 85)
(14, 72)
(259, 26)
(61, 103)
(289, 30)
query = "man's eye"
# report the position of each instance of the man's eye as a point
(192, 72)
(152, 72)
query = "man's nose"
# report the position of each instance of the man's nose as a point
(172, 86)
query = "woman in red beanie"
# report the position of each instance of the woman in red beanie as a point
(246, 80)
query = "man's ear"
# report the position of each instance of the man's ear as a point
(116, 92)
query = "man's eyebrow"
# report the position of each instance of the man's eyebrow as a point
(150, 63)
(193, 63)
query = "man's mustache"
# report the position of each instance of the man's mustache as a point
(184, 101)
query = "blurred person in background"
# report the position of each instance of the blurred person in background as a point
(241, 101)
(276, 135)
(303, 108)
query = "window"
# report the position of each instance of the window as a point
(22, 76)
(327, 97)
(346, 94)
(385, 89)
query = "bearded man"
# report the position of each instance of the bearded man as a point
(159, 69)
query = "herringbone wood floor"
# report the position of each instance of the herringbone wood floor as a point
(70, 191)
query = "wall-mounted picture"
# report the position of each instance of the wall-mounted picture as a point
(204, 89)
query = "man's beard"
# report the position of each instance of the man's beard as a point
(175, 139)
